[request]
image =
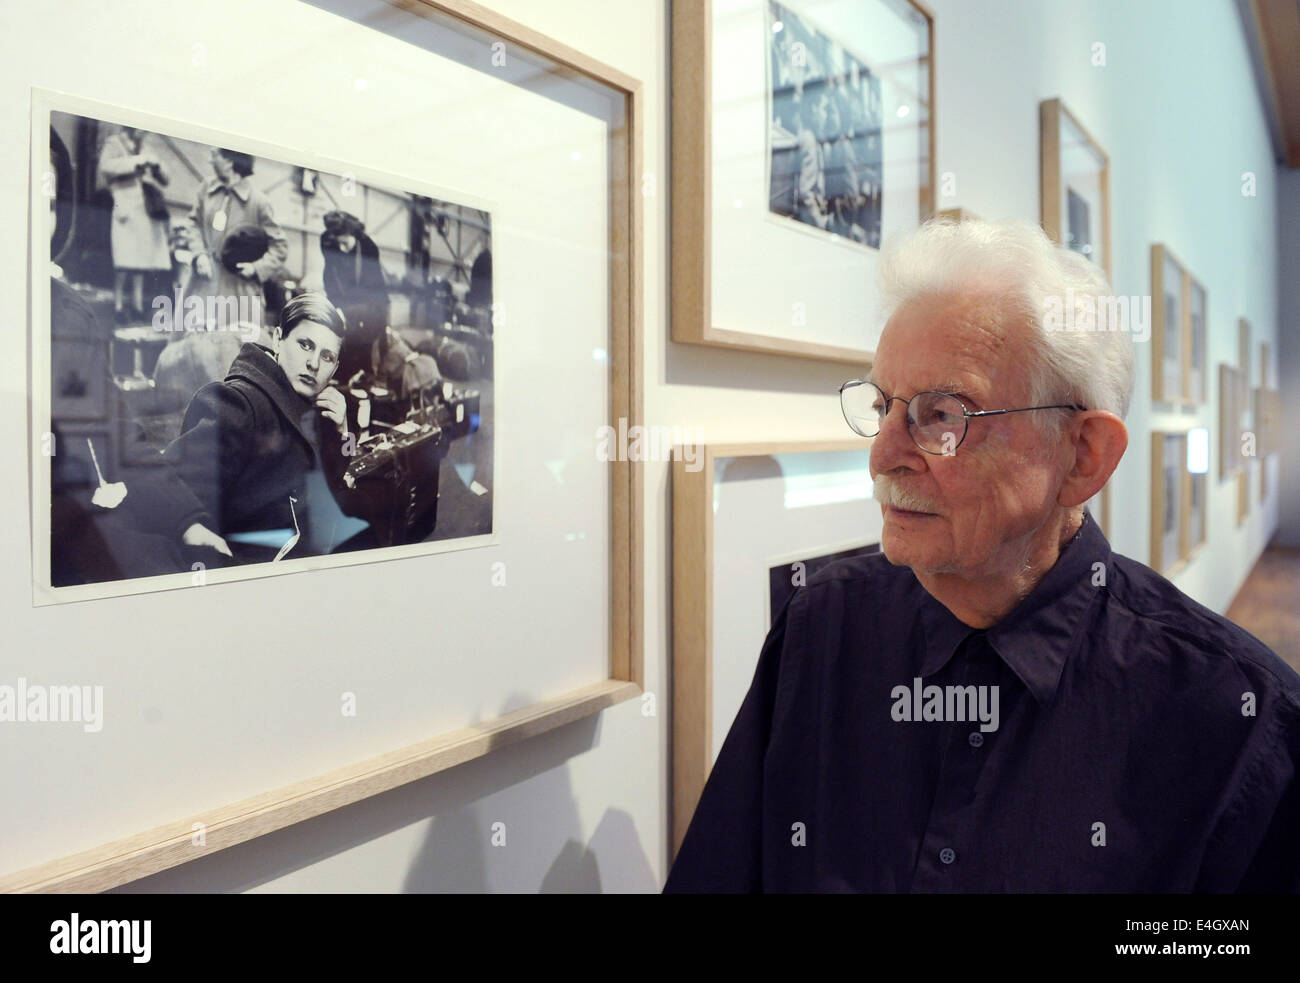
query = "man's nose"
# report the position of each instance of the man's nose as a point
(893, 447)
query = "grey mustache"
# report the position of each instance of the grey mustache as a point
(887, 494)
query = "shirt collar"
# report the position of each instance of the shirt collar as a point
(241, 189)
(1038, 635)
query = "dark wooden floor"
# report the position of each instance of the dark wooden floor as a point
(1268, 604)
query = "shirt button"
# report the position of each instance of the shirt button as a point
(975, 739)
(947, 855)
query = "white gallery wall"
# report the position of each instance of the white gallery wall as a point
(587, 806)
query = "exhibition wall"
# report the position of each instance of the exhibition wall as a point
(586, 807)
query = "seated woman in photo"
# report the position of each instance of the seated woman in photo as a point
(247, 444)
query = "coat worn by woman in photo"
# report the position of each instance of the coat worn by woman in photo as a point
(354, 282)
(220, 211)
(247, 445)
(137, 240)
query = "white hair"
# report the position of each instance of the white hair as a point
(1091, 367)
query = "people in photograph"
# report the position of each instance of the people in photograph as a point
(812, 207)
(844, 171)
(80, 552)
(129, 165)
(355, 283)
(248, 442)
(998, 701)
(237, 244)
(479, 295)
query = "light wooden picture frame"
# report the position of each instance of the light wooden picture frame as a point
(1246, 421)
(1170, 327)
(1230, 394)
(1264, 420)
(1170, 491)
(719, 304)
(1196, 489)
(1195, 344)
(702, 677)
(1074, 185)
(173, 842)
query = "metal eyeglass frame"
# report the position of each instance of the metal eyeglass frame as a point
(967, 414)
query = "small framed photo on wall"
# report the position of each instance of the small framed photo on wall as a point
(803, 138)
(1075, 185)
(1168, 503)
(1247, 434)
(1197, 381)
(1196, 490)
(1170, 345)
(752, 523)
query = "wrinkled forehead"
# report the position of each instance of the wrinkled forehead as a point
(953, 342)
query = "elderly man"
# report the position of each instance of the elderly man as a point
(997, 702)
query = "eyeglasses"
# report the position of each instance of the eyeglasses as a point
(937, 422)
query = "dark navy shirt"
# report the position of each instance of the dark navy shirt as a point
(1143, 743)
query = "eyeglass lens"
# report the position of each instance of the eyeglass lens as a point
(931, 416)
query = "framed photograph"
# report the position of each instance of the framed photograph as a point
(1194, 344)
(1169, 504)
(1269, 418)
(1248, 442)
(393, 188)
(187, 300)
(751, 524)
(1074, 188)
(1232, 389)
(1170, 328)
(803, 137)
(1268, 436)
(1196, 487)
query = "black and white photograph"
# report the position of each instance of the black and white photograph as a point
(824, 131)
(250, 360)
(785, 578)
(1079, 229)
(1197, 379)
(1198, 468)
(1173, 465)
(1171, 286)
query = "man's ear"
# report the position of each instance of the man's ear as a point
(1100, 439)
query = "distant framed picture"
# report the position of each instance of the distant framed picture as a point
(1268, 421)
(1170, 329)
(751, 524)
(1266, 424)
(1197, 383)
(1168, 502)
(1196, 487)
(803, 137)
(1074, 185)
(1248, 435)
(1231, 394)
